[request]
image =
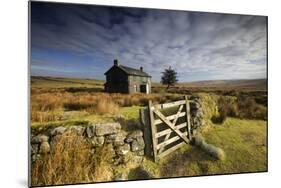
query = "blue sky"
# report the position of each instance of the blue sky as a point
(69, 40)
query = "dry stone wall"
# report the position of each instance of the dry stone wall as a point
(97, 135)
(196, 112)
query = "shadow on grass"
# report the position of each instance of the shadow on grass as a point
(139, 174)
(83, 89)
(129, 124)
(193, 161)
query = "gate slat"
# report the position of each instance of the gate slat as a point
(169, 141)
(168, 130)
(170, 150)
(168, 105)
(159, 121)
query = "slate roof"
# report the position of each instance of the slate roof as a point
(131, 71)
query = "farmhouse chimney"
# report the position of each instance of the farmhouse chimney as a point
(141, 69)
(115, 62)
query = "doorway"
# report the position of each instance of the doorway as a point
(143, 88)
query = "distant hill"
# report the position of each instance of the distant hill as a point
(56, 82)
(255, 83)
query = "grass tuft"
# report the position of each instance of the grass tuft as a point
(105, 106)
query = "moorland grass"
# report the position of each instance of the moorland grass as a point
(243, 141)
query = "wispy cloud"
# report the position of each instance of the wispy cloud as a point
(197, 45)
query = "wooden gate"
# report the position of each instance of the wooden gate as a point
(165, 132)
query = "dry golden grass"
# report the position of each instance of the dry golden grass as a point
(71, 161)
(241, 107)
(40, 116)
(106, 106)
(103, 169)
(46, 104)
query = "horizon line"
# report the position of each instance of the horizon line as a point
(87, 78)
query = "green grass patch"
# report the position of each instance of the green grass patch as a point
(59, 123)
(84, 118)
(37, 128)
(131, 112)
(243, 141)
